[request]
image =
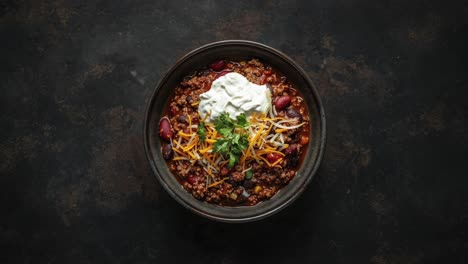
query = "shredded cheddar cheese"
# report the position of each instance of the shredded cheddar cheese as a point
(265, 137)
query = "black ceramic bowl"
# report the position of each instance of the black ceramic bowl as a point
(235, 50)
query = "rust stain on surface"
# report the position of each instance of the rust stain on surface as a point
(434, 119)
(112, 169)
(80, 114)
(63, 12)
(116, 174)
(97, 71)
(17, 149)
(67, 198)
(248, 23)
(328, 42)
(425, 34)
(40, 11)
(338, 77)
(118, 168)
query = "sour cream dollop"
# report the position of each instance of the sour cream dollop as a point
(234, 94)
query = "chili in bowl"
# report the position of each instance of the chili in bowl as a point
(235, 131)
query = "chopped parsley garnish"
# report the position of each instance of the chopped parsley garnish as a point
(235, 137)
(201, 132)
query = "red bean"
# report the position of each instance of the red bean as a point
(273, 157)
(182, 119)
(263, 79)
(224, 171)
(222, 74)
(192, 179)
(294, 114)
(218, 65)
(292, 149)
(165, 129)
(282, 102)
(174, 110)
(167, 152)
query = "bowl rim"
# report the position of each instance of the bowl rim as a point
(322, 137)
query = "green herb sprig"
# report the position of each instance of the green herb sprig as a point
(235, 137)
(201, 132)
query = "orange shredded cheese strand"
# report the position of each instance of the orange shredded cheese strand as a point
(276, 162)
(217, 183)
(190, 123)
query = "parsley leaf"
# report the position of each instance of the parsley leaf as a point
(222, 146)
(201, 132)
(233, 158)
(242, 121)
(243, 142)
(248, 174)
(224, 122)
(234, 140)
(227, 132)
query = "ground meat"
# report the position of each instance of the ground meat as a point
(253, 199)
(198, 188)
(183, 169)
(279, 89)
(267, 192)
(237, 176)
(286, 176)
(196, 82)
(255, 62)
(272, 79)
(181, 100)
(224, 190)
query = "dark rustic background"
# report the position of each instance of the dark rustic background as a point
(75, 184)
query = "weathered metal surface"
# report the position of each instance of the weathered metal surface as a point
(75, 184)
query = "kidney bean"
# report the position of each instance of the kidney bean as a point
(249, 183)
(224, 171)
(187, 130)
(294, 114)
(222, 74)
(195, 118)
(165, 129)
(182, 119)
(262, 79)
(293, 161)
(203, 72)
(218, 65)
(273, 157)
(174, 110)
(282, 102)
(167, 152)
(192, 179)
(292, 149)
